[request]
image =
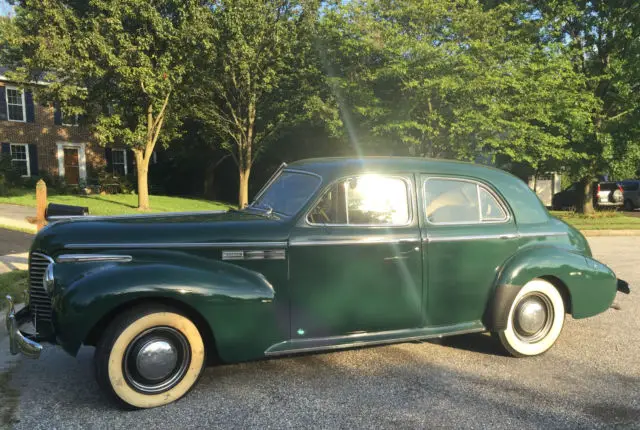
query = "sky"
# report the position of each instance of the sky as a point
(5, 8)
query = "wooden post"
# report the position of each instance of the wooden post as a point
(41, 204)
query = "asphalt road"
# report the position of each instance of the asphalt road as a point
(12, 242)
(590, 379)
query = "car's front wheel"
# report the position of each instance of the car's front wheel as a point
(149, 356)
(535, 320)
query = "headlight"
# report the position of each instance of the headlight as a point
(48, 280)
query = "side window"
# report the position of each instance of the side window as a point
(364, 200)
(453, 201)
(490, 209)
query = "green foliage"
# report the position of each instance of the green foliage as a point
(117, 61)
(451, 79)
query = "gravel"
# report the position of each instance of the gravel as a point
(590, 379)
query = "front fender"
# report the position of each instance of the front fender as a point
(590, 284)
(218, 291)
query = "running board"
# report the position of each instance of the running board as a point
(301, 346)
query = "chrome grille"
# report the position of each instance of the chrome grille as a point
(39, 300)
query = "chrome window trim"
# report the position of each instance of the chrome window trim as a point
(86, 258)
(407, 180)
(372, 240)
(477, 183)
(176, 245)
(273, 177)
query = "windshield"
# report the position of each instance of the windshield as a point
(287, 193)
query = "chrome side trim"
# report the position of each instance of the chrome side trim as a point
(121, 217)
(538, 234)
(301, 346)
(85, 258)
(490, 236)
(271, 254)
(176, 245)
(370, 240)
(470, 237)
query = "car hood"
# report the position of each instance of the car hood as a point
(122, 232)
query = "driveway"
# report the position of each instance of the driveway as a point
(13, 250)
(591, 378)
(16, 216)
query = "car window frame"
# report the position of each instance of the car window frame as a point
(276, 175)
(406, 178)
(503, 204)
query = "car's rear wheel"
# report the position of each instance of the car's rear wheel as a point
(149, 357)
(535, 320)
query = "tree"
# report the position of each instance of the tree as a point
(601, 39)
(257, 80)
(119, 61)
(451, 79)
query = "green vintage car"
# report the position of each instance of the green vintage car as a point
(333, 253)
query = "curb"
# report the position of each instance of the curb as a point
(594, 233)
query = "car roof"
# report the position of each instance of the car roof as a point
(328, 165)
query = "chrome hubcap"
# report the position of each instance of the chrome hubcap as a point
(156, 360)
(533, 317)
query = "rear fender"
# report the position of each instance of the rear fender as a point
(591, 285)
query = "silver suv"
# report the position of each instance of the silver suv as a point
(631, 191)
(609, 194)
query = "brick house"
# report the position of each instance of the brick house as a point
(40, 138)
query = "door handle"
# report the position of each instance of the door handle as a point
(507, 236)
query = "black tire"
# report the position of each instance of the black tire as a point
(157, 325)
(628, 205)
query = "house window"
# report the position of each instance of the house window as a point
(16, 105)
(119, 162)
(20, 159)
(69, 119)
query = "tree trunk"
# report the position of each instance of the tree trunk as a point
(142, 166)
(243, 194)
(585, 197)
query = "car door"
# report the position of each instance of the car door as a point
(355, 259)
(468, 233)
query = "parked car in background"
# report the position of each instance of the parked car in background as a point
(631, 193)
(333, 253)
(605, 195)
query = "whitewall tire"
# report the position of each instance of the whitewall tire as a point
(149, 356)
(536, 318)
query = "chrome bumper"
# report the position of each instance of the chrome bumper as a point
(18, 342)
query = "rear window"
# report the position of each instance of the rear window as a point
(608, 186)
(630, 186)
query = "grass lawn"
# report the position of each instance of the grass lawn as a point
(13, 283)
(605, 220)
(117, 204)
